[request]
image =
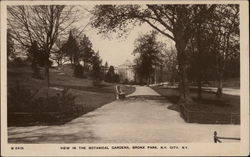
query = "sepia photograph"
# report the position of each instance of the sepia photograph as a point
(134, 73)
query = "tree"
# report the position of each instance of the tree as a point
(71, 49)
(173, 21)
(225, 29)
(198, 48)
(87, 51)
(117, 78)
(106, 65)
(96, 69)
(208, 52)
(36, 57)
(10, 46)
(58, 53)
(148, 51)
(171, 65)
(110, 76)
(40, 23)
(78, 71)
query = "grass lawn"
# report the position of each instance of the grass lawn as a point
(228, 104)
(88, 96)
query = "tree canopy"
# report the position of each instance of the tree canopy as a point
(176, 22)
(148, 52)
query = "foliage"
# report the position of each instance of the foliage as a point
(126, 81)
(21, 99)
(78, 71)
(149, 52)
(87, 52)
(18, 62)
(170, 66)
(211, 29)
(117, 78)
(226, 39)
(106, 65)
(172, 21)
(58, 53)
(96, 72)
(79, 48)
(110, 76)
(215, 43)
(63, 102)
(71, 49)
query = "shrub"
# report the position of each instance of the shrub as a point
(96, 74)
(125, 81)
(62, 102)
(19, 98)
(43, 109)
(117, 78)
(17, 62)
(78, 71)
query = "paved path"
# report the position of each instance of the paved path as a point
(143, 117)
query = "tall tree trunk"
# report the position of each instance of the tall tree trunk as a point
(141, 81)
(173, 75)
(71, 59)
(199, 94)
(220, 86)
(184, 85)
(199, 60)
(183, 66)
(148, 80)
(155, 75)
(76, 62)
(46, 68)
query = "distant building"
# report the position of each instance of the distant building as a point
(126, 71)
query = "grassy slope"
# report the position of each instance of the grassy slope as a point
(209, 103)
(88, 95)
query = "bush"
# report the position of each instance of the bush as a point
(62, 102)
(117, 78)
(17, 62)
(114, 78)
(96, 74)
(42, 109)
(125, 81)
(19, 98)
(78, 71)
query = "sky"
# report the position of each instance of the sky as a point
(115, 50)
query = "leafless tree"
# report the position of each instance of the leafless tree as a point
(225, 28)
(42, 24)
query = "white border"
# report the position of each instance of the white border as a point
(194, 149)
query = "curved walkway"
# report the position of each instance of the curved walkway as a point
(140, 118)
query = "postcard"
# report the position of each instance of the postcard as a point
(124, 78)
